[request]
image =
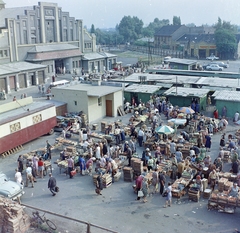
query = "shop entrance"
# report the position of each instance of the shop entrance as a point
(59, 65)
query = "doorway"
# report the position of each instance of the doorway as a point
(109, 108)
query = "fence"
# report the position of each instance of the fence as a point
(65, 223)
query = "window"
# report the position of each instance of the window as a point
(75, 102)
(15, 127)
(1, 53)
(5, 53)
(100, 101)
(24, 23)
(36, 119)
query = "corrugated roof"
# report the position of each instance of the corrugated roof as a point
(184, 91)
(96, 91)
(107, 55)
(227, 95)
(220, 82)
(139, 88)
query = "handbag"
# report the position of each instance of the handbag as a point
(73, 172)
(57, 189)
(140, 193)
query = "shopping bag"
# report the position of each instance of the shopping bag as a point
(73, 172)
(140, 193)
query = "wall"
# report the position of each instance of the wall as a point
(232, 107)
(96, 112)
(69, 96)
(117, 101)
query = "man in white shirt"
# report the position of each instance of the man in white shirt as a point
(29, 176)
(97, 152)
(140, 137)
(18, 177)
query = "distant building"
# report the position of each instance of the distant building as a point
(45, 35)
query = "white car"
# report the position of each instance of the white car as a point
(10, 189)
(212, 57)
(214, 67)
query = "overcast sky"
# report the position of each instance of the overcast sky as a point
(107, 13)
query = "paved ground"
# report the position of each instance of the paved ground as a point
(117, 208)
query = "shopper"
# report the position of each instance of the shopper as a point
(169, 195)
(70, 166)
(52, 183)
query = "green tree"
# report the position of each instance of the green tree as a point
(176, 20)
(225, 38)
(130, 28)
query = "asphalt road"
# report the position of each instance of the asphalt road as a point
(117, 209)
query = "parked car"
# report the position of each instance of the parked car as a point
(221, 64)
(10, 189)
(214, 67)
(212, 57)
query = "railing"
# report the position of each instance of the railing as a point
(88, 225)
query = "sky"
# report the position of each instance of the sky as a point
(108, 13)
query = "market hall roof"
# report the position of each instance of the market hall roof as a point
(92, 90)
(185, 92)
(18, 67)
(53, 51)
(226, 95)
(139, 88)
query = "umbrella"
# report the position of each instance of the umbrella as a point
(165, 129)
(178, 121)
(186, 110)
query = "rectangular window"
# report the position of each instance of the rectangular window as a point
(15, 127)
(1, 53)
(75, 102)
(100, 101)
(36, 119)
(24, 23)
(73, 64)
(5, 53)
(25, 37)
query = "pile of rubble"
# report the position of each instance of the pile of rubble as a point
(13, 219)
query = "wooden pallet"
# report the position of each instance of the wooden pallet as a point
(12, 151)
(120, 111)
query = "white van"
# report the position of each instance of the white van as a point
(59, 83)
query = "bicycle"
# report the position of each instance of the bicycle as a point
(43, 219)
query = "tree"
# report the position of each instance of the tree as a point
(92, 29)
(130, 28)
(176, 20)
(225, 38)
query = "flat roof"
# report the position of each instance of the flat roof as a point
(184, 91)
(140, 88)
(226, 95)
(17, 67)
(92, 90)
(182, 61)
(25, 110)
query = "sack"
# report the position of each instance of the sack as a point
(97, 191)
(57, 189)
(165, 193)
(73, 172)
(140, 193)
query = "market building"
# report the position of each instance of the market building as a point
(229, 99)
(183, 96)
(97, 99)
(45, 35)
(140, 92)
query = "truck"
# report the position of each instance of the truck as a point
(22, 121)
